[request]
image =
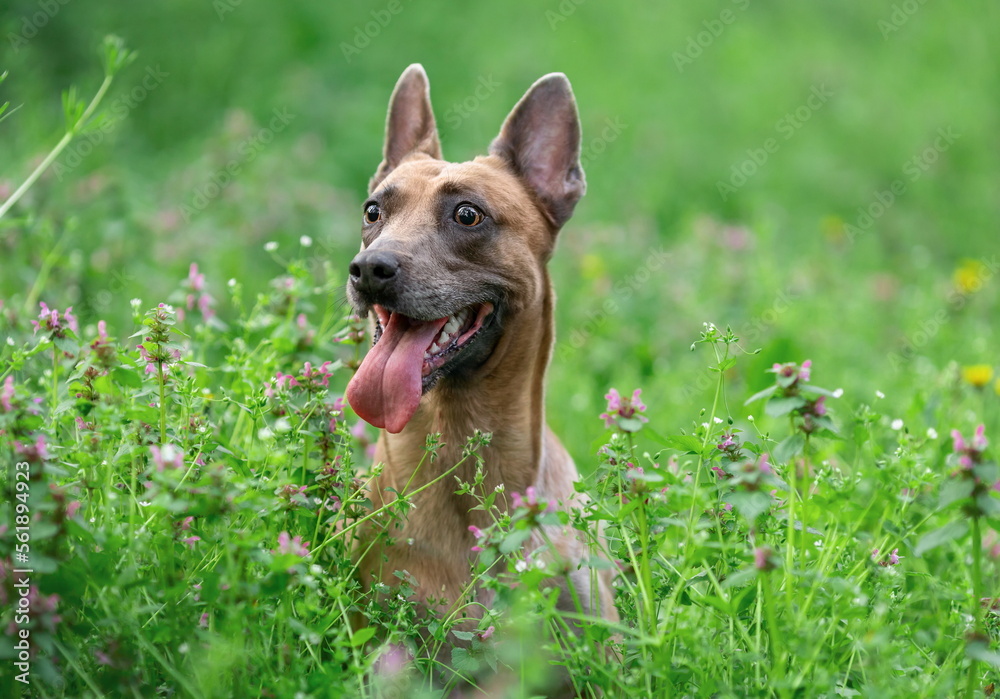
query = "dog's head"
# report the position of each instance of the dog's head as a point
(453, 252)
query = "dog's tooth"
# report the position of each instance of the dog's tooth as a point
(434, 349)
(452, 325)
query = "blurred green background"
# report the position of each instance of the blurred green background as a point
(843, 99)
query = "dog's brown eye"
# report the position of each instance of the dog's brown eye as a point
(468, 215)
(372, 213)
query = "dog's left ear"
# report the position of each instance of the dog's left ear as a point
(409, 126)
(541, 141)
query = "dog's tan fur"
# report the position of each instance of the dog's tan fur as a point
(529, 198)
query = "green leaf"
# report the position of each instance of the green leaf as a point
(789, 448)
(949, 532)
(750, 504)
(766, 393)
(809, 388)
(126, 377)
(514, 540)
(955, 489)
(685, 443)
(779, 407)
(981, 651)
(362, 636)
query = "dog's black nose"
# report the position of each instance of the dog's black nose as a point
(374, 270)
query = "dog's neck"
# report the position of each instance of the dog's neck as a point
(506, 400)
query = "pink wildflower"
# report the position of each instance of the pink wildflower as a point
(7, 394)
(168, 456)
(293, 545)
(624, 408)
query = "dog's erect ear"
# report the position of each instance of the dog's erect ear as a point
(541, 141)
(409, 127)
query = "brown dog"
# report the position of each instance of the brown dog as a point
(453, 269)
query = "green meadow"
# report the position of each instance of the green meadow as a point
(788, 243)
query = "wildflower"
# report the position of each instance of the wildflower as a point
(763, 559)
(891, 560)
(156, 349)
(730, 446)
(33, 453)
(791, 373)
(197, 296)
(185, 524)
(480, 537)
(190, 541)
(530, 501)
(486, 634)
(968, 455)
(203, 621)
(977, 375)
(7, 395)
(72, 508)
(970, 276)
(305, 241)
(167, 456)
(270, 246)
(292, 545)
(55, 322)
(897, 424)
(624, 413)
(932, 433)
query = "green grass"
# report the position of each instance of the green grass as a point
(895, 311)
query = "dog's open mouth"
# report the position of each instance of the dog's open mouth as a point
(407, 359)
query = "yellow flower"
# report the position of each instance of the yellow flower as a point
(978, 375)
(970, 277)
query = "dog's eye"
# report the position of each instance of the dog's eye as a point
(468, 215)
(372, 213)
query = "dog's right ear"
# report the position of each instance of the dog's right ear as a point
(409, 127)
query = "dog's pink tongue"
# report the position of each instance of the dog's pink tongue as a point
(386, 388)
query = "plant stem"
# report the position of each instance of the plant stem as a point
(55, 152)
(163, 406)
(977, 597)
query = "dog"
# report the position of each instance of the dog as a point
(452, 272)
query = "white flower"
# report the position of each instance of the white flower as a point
(270, 246)
(750, 418)
(521, 566)
(932, 433)
(10, 341)
(305, 241)
(879, 394)
(135, 303)
(718, 421)
(838, 393)
(897, 424)
(143, 503)
(231, 283)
